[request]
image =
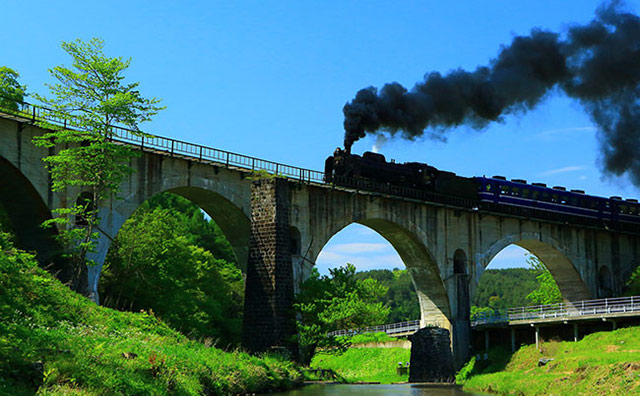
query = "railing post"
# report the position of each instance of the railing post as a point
(253, 164)
(200, 153)
(34, 114)
(172, 142)
(142, 142)
(276, 169)
(227, 159)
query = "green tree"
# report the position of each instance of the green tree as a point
(11, 92)
(401, 298)
(169, 259)
(90, 96)
(632, 287)
(547, 291)
(339, 301)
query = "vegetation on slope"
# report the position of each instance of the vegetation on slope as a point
(365, 364)
(605, 363)
(54, 341)
(334, 302)
(367, 338)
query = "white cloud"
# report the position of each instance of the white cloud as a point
(359, 247)
(510, 257)
(566, 169)
(554, 133)
(330, 257)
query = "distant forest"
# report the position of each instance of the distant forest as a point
(498, 289)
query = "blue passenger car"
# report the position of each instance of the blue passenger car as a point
(557, 199)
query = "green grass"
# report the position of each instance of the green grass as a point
(605, 363)
(56, 342)
(365, 364)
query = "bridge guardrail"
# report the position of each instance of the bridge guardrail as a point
(393, 328)
(35, 113)
(576, 309)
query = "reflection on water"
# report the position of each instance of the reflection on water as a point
(376, 390)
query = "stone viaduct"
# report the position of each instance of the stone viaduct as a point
(278, 227)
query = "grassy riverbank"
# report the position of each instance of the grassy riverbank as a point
(605, 363)
(366, 364)
(55, 342)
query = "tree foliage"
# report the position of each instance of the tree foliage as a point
(338, 301)
(169, 259)
(401, 297)
(632, 286)
(12, 93)
(92, 93)
(547, 291)
(504, 288)
(90, 97)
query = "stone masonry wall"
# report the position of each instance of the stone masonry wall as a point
(269, 320)
(431, 358)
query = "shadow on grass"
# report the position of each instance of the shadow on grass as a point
(485, 363)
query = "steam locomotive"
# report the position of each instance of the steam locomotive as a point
(415, 179)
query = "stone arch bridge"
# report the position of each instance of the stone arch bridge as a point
(278, 226)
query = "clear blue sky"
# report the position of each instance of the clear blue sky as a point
(269, 79)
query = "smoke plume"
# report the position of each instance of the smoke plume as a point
(597, 64)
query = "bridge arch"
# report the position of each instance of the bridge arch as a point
(25, 210)
(419, 262)
(552, 255)
(225, 207)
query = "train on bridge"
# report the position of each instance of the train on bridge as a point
(370, 169)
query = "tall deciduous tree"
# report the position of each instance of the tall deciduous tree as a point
(91, 97)
(11, 91)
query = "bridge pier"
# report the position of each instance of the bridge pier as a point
(269, 319)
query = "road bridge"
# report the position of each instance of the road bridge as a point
(533, 317)
(278, 226)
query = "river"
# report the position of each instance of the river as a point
(376, 390)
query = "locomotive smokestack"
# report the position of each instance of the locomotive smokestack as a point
(598, 64)
(347, 146)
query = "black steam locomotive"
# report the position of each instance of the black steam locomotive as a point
(371, 171)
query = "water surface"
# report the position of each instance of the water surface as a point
(377, 390)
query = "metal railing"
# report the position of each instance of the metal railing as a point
(571, 310)
(35, 113)
(393, 328)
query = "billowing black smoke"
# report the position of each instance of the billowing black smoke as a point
(597, 64)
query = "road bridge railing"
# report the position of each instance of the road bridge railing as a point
(410, 326)
(618, 306)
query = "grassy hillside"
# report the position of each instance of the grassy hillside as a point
(55, 342)
(605, 363)
(365, 364)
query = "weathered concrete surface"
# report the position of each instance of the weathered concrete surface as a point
(431, 357)
(445, 249)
